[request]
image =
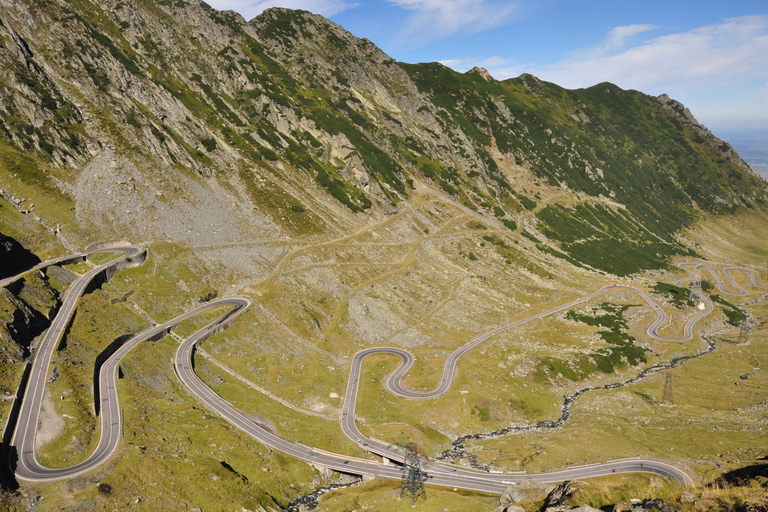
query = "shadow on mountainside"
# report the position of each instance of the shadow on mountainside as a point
(14, 258)
(743, 475)
(100, 360)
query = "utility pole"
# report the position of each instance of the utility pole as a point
(696, 296)
(414, 476)
(666, 396)
(743, 332)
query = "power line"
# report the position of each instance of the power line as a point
(414, 476)
(743, 332)
(696, 294)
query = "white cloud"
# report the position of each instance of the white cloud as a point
(618, 36)
(500, 68)
(465, 64)
(252, 8)
(436, 19)
(719, 71)
(729, 52)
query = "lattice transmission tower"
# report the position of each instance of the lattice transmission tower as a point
(743, 332)
(414, 476)
(696, 296)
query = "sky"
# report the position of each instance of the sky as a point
(710, 55)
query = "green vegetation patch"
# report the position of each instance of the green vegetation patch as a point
(621, 351)
(482, 413)
(734, 314)
(380, 164)
(606, 239)
(677, 295)
(603, 141)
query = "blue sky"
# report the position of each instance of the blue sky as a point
(710, 55)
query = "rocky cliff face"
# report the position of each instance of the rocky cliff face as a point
(14, 257)
(181, 123)
(253, 155)
(25, 307)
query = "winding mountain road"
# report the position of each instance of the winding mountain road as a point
(394, 384)
(720, 283)
(26, 466)
(23, 444)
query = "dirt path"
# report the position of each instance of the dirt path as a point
(51, 424)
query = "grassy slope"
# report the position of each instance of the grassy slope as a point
(440, 298)
(430, 277)
(601, 141)
(300, 103)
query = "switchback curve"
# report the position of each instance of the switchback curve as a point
(29, 468)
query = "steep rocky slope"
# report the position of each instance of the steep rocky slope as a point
(356, 201)
(182, 123)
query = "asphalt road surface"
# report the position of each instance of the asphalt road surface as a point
(720, 283)
(27, 467)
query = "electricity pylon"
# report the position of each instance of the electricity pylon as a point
(743, 332)
(414, 475)
(696, 294)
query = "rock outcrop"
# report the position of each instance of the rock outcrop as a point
(685, 116)
(178, 122)
(14, 257)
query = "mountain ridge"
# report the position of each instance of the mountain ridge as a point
(359, 84)
(358, 201)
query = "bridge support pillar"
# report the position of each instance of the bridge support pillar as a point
(368, 478)
(326, 472)
(385, 461)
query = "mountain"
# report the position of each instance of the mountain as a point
(752, 144)
(150, 102)
(356, 201)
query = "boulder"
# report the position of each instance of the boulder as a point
(510, 496)
(524, 492)
(654, 504)
(559, 508)
(585, 508)
(687, 497)
(559, 494)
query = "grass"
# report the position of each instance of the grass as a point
(291, 425)
(596, 492)
(170, 281)
(385, 495)
(714, 495)
(621, 348)
(605, 491)
(196, 457)
(734, 314)
(709, 396)
(96, 324)
(607, 240)
(408, 270)
(677, 295)
(27, 178)
(28, 233)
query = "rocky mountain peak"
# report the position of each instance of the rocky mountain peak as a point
(482, 72)
(684, 115)
(679, 108)
(313, 128)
